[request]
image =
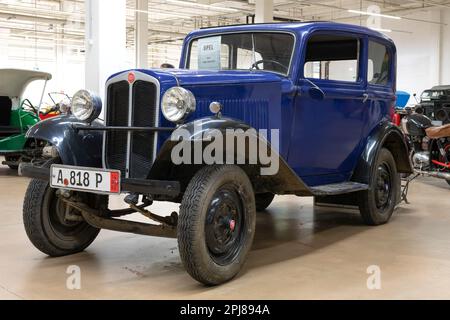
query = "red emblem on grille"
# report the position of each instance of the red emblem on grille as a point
(131, 77)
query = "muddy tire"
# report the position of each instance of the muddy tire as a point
(46, 227)
(377, 204)
(216, 224)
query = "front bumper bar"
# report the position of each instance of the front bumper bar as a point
(141, 186)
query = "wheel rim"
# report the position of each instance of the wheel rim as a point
(383, 192)
(56, 210)
(224, 225)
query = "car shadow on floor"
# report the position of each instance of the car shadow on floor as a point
(286, 232)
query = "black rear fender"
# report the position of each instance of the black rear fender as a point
(388, 136)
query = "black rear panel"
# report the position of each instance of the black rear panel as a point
(144, 115)
(117, 115)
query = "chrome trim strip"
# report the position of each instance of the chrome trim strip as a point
(124, 77)
(130, 123)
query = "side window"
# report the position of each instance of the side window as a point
(330, 57)
(378, 71)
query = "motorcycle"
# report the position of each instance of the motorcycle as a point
(429, 146)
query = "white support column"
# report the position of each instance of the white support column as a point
(105, 42)
(141, 36)
(263, 11)
(444, 75)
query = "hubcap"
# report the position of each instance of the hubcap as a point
(383, 187)
(224, 225)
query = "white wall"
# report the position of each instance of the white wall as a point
(423, 54)
(445, 47)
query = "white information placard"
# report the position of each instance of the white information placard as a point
(209, 53)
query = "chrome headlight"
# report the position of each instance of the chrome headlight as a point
(177, 104)
(86, 106)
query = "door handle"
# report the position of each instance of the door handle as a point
(365, 97)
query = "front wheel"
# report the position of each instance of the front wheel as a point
(378, 203)
(44, 217)
(216, 224)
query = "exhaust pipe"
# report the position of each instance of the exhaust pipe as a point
(434, 174)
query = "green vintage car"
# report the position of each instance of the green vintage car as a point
(17, 114)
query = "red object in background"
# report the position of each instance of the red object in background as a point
(47, 116)
(131, 77)
(396, 119)
(445, 165)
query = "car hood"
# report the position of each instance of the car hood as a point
(189, 77)
(186, 77)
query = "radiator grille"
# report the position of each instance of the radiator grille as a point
(133, 149)
(117, 115)
(144, 115)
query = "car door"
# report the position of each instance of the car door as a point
(327, 129)
(381, 86)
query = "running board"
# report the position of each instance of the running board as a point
(338, 188)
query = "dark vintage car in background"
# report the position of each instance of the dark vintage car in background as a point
(329, 89)
(435, 104)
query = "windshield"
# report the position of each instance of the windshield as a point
(242, 51)
(427, 95)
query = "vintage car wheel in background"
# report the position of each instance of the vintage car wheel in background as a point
(216, 224)
(263, 200)
(45, 223)
(378, 203)
(12, 159)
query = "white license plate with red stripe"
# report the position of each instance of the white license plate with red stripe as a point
(85, 179)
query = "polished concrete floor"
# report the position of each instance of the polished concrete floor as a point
(299, 253)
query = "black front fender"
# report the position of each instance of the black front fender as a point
(388, 136)
(75, 147)
(285, 181)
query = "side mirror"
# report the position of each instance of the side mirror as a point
(316, 93)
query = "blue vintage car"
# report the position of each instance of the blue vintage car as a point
(318, 97)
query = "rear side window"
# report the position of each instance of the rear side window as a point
(379, 71)
(331, 57)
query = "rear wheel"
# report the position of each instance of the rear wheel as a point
(378, 203)
(216, 224)
(44, 216)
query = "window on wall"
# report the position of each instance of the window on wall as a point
(331, 57)
(379, 64)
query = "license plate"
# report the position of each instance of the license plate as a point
(85, 179)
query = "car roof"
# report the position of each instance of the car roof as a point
(294, 27)
(14, 81)
(441, 87)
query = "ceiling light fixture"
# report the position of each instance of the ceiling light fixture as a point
(200, 5)
(366, 13)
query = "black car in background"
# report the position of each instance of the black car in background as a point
(435, 104)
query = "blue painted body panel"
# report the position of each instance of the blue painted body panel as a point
(322, 141)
